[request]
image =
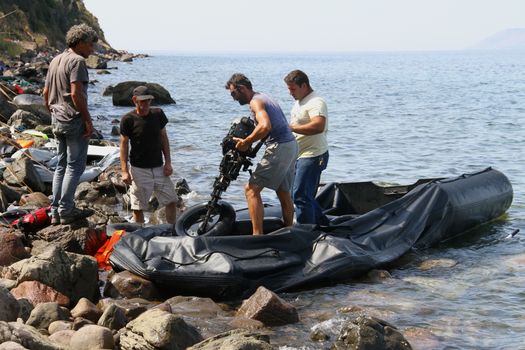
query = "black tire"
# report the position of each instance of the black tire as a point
(221, 222)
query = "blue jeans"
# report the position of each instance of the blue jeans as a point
(307, 177)
(72, 155)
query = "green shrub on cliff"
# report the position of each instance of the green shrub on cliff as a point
(42, 23)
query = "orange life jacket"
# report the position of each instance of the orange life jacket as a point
(105, 251)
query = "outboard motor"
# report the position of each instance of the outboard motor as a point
(216, 217)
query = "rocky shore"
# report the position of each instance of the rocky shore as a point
(54, 294)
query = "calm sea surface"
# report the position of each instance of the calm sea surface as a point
(393, 118)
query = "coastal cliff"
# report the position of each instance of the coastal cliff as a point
(27, 26)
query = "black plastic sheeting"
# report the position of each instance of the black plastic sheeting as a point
(228, 267)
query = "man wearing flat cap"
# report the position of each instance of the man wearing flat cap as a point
(149, 168)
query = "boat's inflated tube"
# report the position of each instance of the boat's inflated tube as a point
(305, 255)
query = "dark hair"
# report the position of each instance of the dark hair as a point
(81, 33)
(298, 77)
(239, 79)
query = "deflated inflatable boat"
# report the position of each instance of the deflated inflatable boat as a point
(305, 255)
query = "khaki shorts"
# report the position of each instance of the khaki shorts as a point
(276, 169)
(148, 181)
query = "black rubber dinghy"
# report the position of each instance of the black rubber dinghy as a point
(232, 266)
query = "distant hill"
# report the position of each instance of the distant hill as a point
(509, 39)
(40, 24)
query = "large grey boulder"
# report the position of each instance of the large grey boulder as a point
(73, 275)
(157, 329)
(122, 93)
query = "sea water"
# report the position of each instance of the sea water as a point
(393, 118)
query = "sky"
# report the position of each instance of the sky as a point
(150, 26)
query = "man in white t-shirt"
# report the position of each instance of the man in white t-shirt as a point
(310, 125)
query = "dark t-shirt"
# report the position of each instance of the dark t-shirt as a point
(144, 136)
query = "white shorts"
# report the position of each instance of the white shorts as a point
(148, 181)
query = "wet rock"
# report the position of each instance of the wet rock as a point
(351, 309)
(108, 91)
(70, 238)
(62, 338)
(45, 313)
(114, 317)
(235, 340)
(27, 336)
(73, 275)
(25, 308)
(267, 307)
(436, 263)
(12, 248)
(86, 309)
(156, 329)
(318, 335)
(96, 62)
(132, 307)
(377, 276)
(103, 71)
(23, 173)
(23, 120)
(122, 93)
(8, 305)
(127, 285)
(57, 326)
(182, 187)
(422, 338)
(34, 200)
(246, 323)
(37, 293)
(92, 337)
(194, 307)
(370, 333)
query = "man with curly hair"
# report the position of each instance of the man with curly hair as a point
(65, 96)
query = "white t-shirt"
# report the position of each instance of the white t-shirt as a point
(310, 106)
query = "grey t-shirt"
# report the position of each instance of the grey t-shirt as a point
(64, 69)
